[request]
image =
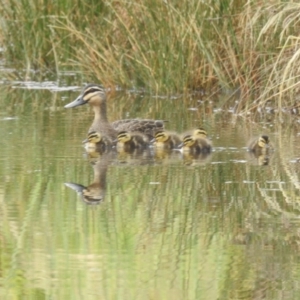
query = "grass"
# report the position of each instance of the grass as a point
(251, 47)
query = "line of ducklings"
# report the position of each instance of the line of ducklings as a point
(194, 142)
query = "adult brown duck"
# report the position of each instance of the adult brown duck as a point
(95, 96)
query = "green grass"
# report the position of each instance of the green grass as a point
(162, 46)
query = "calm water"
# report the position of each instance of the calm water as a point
(166, 227)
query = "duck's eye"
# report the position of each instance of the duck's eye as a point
(94, 135)
(93, 90)
(122, 135)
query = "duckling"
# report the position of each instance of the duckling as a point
(95, 95)
(200, 133)
(165, 140)
(96, 142)
(129, 141)
(192, 144)
(259, 146)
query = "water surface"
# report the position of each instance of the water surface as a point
(165, 227)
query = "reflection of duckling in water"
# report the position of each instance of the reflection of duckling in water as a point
(192, 144)
(259, 146)
(263, 160)
(94, 193)
(191, 159)
(96, 142)
(129, 141)
(259, 160)
(165, 140)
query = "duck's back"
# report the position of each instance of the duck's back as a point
(146, 126)
(140, 140)
(204, 145)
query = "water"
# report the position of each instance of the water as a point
(165, 227)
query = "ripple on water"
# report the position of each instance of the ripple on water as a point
(163, 221)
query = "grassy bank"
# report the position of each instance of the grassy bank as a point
(164, 46)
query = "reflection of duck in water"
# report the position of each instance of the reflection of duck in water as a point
(96, 142)
(260, 160)
(263, 160)
(95, 95)
(94, 193)
(164, 140)
(129, 141)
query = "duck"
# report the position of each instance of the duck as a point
(200, 133)
(95, 96)
(129, 141)
(193, 144)
(96, 142)
(259, 146)
(165, 140)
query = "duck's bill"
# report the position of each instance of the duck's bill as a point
(74, 186)
(78, 101)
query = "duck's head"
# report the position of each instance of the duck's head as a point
(92, 194)
(188, 141)
(263, 141)
(94, 137)
(200, 133)
(161, 136)
(93, 94)
(123, 136)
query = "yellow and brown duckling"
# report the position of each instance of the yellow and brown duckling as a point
(200, 133)
(129, 141)
(259, 146)
(95, 96)
(165, 140)
(192, 144)
(96, 142)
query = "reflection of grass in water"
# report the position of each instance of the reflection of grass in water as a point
(189, 230)
(202, 225)
(172, 46)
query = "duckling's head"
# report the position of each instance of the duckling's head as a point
(188, 141)
(263, 141)
(124, 136)
(161, 136)
(93, 94)
(200, 133)
(94, 137)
